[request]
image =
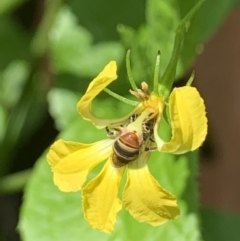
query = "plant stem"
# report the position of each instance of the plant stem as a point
(40, 40)
(14, 182)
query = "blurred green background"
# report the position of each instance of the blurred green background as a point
(49, 52)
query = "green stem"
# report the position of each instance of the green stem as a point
(129, 71)
(191, 79)
(156, 73)
(121, 98)
(40, 40)
(169, 74)
(14, 182)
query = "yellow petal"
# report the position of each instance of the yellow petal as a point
(100, 198)
(144, 198)
(188, 119)
(95, 87)
(61, 149)
(106, 77)
(159, 142)
(71, 161)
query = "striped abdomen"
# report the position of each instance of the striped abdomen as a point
(126, 149)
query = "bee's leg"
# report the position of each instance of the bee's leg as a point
(153, 148)
(110, 133)
(151, 139)
(118, 129)
(133, 118)
(113, 133)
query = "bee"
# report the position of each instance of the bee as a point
(127, 147)
(147, 129)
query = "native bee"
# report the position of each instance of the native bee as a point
(147, 129)
(127, 147)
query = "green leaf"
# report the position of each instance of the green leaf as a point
(211, 22)
(48, 214)
(162, 19)
(191, 192)
(3, 121)
(12, 83)
(8, 5)
(20, 96)
(92, 61)
(102, 17)
(14, 42)
(59, 215)
(15, 182)
(63, 102)
(171, 171)
(169, 74)
(183, 228)
(220, 225)
(62, 106)
(73, 50)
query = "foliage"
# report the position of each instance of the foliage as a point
(219, 225)
(76, 40)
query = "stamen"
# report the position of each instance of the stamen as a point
(121, 98)
(156, 73)
(129, 72)
(145, 88)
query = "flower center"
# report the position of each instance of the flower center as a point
(132, 139)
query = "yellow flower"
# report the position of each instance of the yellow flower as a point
(142, 196)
